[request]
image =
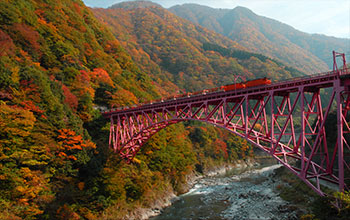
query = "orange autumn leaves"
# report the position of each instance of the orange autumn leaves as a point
(70, 143)
(34, 188)
(83, 88)
(87, 81)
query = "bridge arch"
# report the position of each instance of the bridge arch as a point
(286, 120)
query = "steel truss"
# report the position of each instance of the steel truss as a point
(286, 120)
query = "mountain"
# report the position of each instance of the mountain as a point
(135, 4)
(308, 52)
(173, 49)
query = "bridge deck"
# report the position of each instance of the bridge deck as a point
(310, 83)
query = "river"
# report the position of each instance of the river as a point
(239, 194)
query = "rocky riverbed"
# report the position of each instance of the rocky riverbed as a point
(247, 195)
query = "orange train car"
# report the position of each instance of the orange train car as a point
(251, 83)
(233, 87)
(258, 82)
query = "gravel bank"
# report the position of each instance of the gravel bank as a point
(249, 195)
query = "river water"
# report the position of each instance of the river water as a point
(239, 194)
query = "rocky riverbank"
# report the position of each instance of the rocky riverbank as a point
(165, 200)
(168, 197)
(253, 196)
(249, 195)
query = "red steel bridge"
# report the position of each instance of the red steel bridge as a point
(285, 119)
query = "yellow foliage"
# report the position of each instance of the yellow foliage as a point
(15, 75)
(20, 189)
(135, 160)
(123, 98)
(15, 121)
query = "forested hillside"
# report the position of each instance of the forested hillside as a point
(57, 63)
(308, 52)
(173, 49)
(58, 66)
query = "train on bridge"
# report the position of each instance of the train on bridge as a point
(225, 88)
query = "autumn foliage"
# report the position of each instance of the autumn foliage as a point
(178, 52)
(70, 98)
(70, 143)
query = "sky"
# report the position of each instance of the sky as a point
(329, 17)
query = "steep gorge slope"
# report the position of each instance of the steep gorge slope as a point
(307, 52)
(58, 66)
